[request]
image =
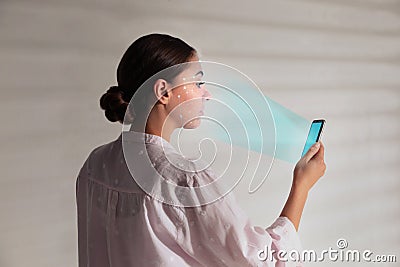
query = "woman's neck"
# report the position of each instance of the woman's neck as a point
(155, 125)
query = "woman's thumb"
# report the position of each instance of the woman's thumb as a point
(312, 151)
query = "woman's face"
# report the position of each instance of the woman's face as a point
(188, 97)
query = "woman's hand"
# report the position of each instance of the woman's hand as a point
(309, 168)
(306, 173)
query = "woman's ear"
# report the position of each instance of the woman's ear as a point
(161, 92)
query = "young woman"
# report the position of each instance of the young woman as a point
(121, 225)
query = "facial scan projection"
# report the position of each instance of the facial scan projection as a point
(215, 116)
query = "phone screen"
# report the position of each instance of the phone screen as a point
(313, 134)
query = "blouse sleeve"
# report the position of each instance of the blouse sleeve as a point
(220, 234)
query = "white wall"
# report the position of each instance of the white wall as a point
(335, 59)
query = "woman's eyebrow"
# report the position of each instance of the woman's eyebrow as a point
(199, 73)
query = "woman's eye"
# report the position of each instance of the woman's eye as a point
(199, 84)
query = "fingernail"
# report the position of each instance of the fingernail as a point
(317, 145)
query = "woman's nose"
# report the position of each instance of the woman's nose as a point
(207, 94)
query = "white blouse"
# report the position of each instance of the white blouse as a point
(119, 225)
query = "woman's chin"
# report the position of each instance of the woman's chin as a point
(193, 124)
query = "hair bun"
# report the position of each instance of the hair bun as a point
(114, 89)
(113, 104)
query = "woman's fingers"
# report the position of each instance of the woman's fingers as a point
(312, 151)
(320, 159)
(321, 152)
(311, 167)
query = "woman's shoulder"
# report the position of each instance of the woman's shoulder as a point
(98, 154)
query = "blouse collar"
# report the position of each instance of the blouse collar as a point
(144, 137)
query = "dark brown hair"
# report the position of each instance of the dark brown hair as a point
(144, 57)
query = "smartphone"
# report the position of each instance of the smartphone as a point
(314, 134)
